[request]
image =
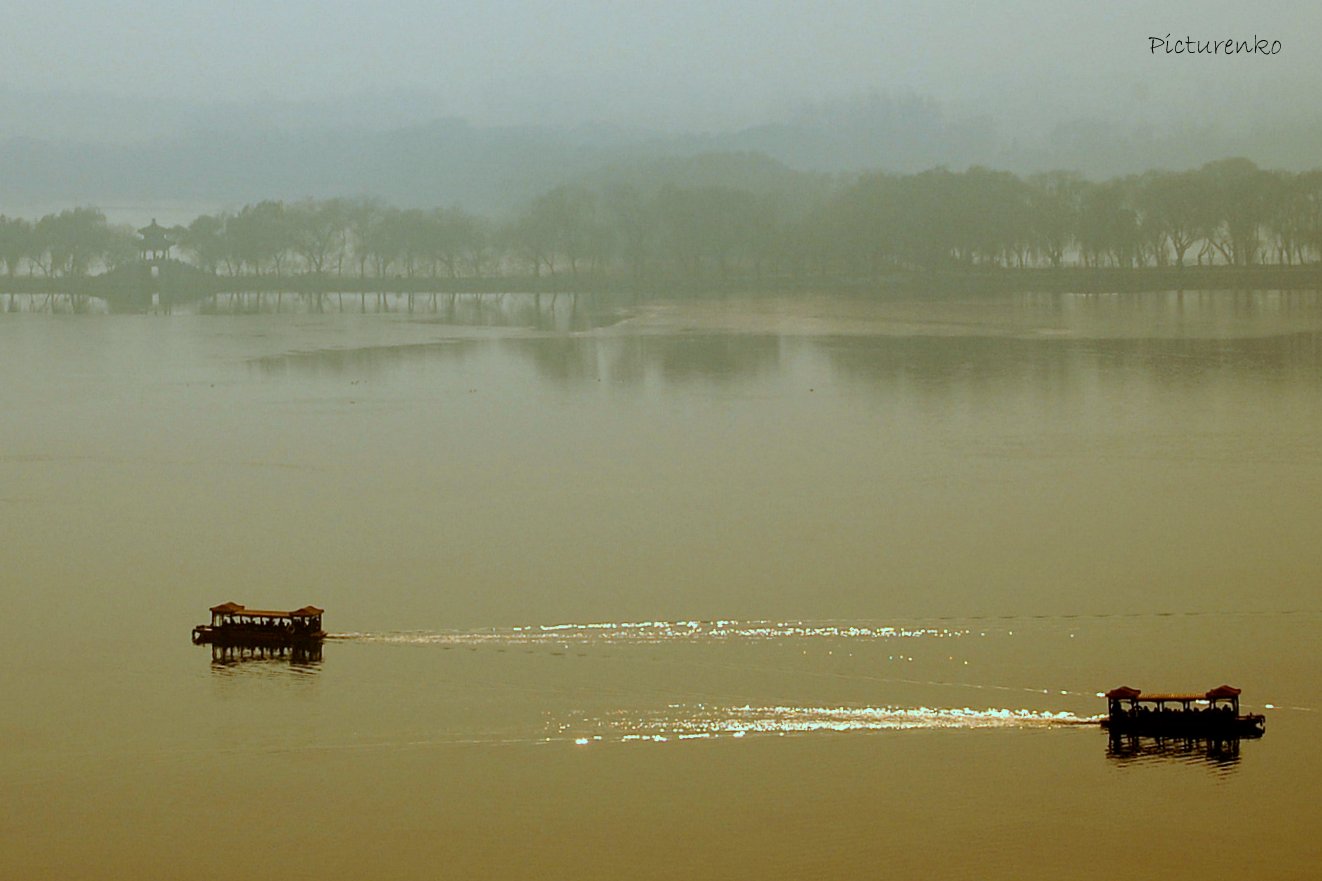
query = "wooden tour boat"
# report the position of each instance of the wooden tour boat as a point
(1211, 714)
(234, 624)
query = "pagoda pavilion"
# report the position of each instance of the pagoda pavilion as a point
(155, 243)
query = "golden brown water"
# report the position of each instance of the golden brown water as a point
(758, 589)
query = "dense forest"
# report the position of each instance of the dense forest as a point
(782, 224)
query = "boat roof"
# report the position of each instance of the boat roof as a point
(233, 608)
(1125, 692)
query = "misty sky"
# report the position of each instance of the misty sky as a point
(676, 64)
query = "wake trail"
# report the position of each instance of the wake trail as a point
(650, 632)
(735, 629)
(689, 722)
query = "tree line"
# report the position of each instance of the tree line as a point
(1228, 212)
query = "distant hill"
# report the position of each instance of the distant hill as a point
(447, 162)
(497, 170)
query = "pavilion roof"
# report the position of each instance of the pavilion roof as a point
(1124, 692)
(155, 234)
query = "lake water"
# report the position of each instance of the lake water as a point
(764, 588)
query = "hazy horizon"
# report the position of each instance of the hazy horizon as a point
(75, 68)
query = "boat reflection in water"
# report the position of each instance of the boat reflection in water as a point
(1222, 753)
(307, 658)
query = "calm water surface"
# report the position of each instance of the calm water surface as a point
(764, 589)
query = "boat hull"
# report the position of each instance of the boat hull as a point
(205, 634)
(1181, 725)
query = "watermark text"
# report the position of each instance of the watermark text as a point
(1228, 46)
